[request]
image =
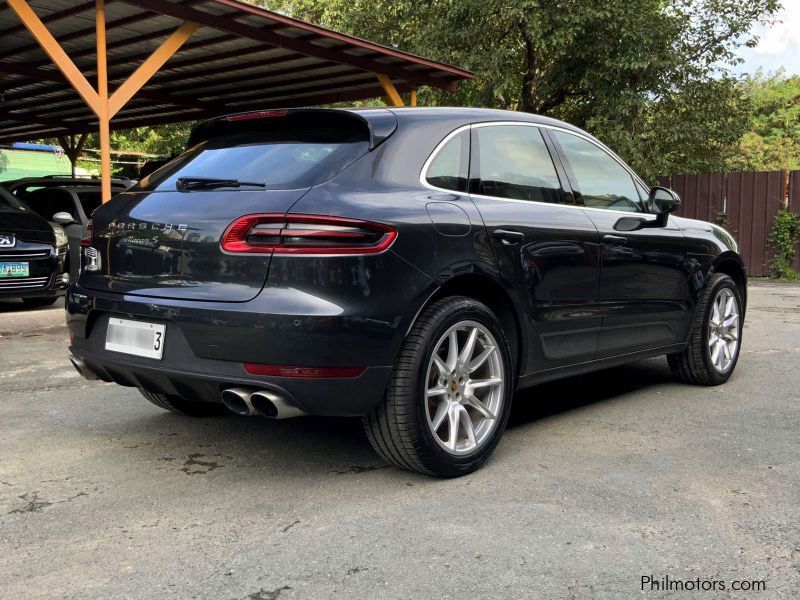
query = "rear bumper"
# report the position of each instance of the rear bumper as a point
(343, 397)
(208, 343)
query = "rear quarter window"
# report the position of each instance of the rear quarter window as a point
(449, 167)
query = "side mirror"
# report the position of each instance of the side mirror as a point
(662, 202)
(63, 218)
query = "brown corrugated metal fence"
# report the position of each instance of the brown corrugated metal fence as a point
(794, 206)
(744, 203)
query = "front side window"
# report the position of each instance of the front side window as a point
(602, 181)
(513, 162)
(448, 169)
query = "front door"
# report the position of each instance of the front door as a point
(546, 249)
(644, 281)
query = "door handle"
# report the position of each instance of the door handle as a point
(615, 239)
(508, 237)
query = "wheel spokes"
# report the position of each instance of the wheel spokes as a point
(716, 314)
(466, 423)
(440, 366)
(712, 339)
(723, 332)
(472, 401)
(478, 361)
(452, 352)
(482, 383)
(436, 391)
(729, 307)
(469, 407)
(717, 353)
(441, 413)
(452, 422)
(469, 347)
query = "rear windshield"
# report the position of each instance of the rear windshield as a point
(282, 156)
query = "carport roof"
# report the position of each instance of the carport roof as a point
(240, 58)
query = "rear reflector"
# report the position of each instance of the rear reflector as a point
(305, 234)
(307, 372)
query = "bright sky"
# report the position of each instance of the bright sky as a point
(779, 45)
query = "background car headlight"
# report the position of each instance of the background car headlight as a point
(61, 236)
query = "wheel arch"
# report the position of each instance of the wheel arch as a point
(731, 265)
(490, 292)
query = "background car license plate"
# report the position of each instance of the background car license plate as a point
(14, 269)
(135, 337)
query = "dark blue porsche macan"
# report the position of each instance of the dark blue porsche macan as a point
(413, 267)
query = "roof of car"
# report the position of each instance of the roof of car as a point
(57, 181)
(474, 115)
(383, 121)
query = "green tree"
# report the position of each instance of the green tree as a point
(772, 140)
(649, 77)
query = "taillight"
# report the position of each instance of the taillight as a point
(306, 234)
(87, 241)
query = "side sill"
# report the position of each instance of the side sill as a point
(595, 365)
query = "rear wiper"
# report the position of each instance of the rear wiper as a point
(185, 184)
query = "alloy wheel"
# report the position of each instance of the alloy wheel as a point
(723, 330)
(464, 387)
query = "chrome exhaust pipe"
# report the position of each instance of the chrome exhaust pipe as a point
(273, 406)
(238, 401)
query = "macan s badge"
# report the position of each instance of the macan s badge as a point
(7, 240)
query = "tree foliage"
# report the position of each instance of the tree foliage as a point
(772, 140)
(784, 236)
(648, 77)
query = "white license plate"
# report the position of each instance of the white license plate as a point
(136, 337)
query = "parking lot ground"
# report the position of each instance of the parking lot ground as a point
(599, 480)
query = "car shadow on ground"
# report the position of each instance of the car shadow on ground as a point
(337, 445)
(12, 305)
(562, 396)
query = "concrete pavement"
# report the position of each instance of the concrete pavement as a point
(599, 480)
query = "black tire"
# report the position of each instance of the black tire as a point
(694, 364)
(40, 301)
(398, 428)
(186, 408)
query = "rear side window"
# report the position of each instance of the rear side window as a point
(49, 201)
(512, 161)
(602, 181)
(297, 151)
(449, 168)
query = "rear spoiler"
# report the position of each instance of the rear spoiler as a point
(378, 124)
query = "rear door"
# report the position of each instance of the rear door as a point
(546, 249)
(644, 274)
(162, 237)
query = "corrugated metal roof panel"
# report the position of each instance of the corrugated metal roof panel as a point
(241, 57)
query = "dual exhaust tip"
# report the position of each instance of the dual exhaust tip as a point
(248, 402)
